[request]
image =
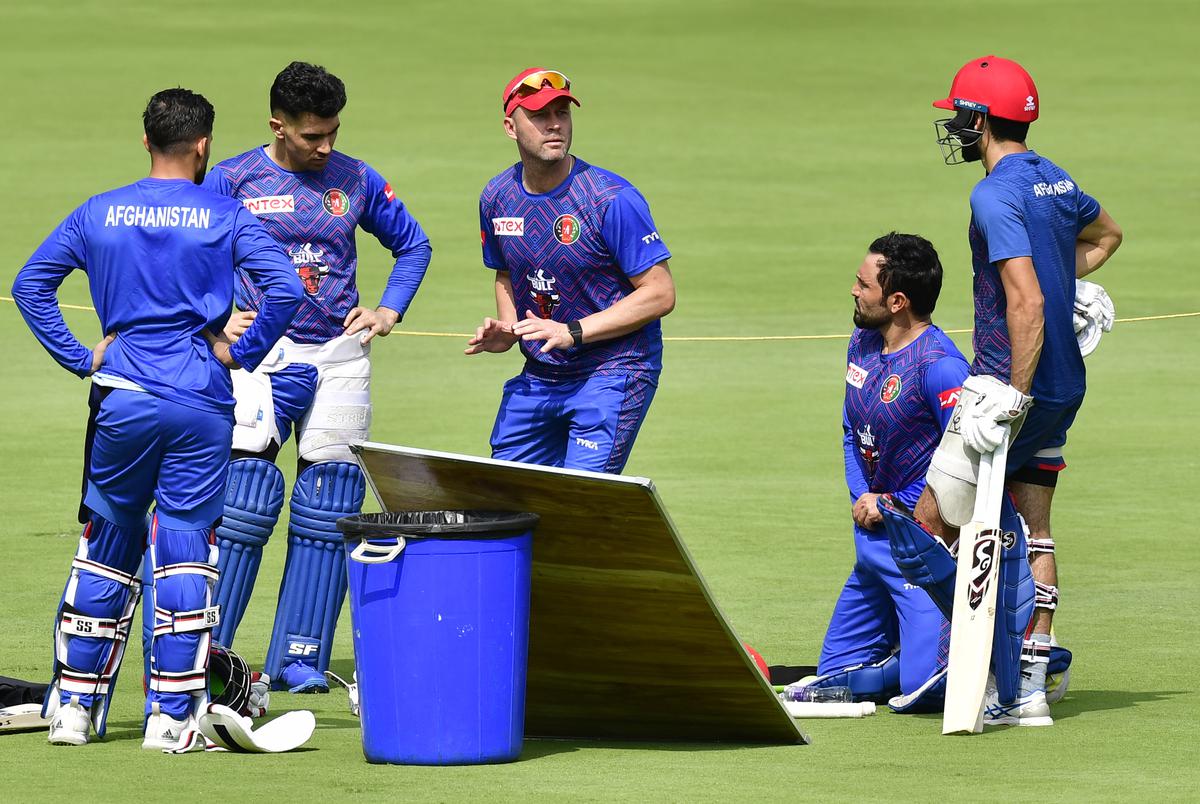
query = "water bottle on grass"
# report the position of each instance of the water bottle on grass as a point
(795, 692)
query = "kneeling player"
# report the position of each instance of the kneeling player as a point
(887, 637)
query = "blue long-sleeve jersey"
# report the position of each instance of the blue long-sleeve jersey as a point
(313, 215)
(897, 406)
(160, 256)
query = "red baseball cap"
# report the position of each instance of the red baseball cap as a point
(534, 87)
(994, 86)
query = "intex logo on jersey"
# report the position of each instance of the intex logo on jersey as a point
(650, 238)
(856, 375)
(508, 227)
(301, 647)
(1061, 187)
(890, 389)
(309, 265)
(949, 397)
(566, 229)
(541, 290)
(270, 204)
(336, 202)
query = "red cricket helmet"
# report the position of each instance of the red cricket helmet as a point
(994, 86)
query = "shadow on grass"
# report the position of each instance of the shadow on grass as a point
(1080, 702)
(343, 668)
(539, 747)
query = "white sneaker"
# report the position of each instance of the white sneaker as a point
(163, 732)
(1027, 710)
(70, 724)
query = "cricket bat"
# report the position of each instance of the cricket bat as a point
(974, 615)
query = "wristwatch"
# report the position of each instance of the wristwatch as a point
(576, 330)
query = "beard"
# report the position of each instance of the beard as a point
(872, 318)
(202, 170)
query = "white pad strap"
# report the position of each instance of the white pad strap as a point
(187, 568)
(105, 571)
(182, 681)
(1046, 596)
(77, 625)
(183, 622)
(1035, 652)
(1041, 546)
(77, 683)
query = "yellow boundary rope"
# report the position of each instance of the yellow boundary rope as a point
(710, 338)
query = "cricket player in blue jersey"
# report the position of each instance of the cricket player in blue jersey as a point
(316, 379)
(886, 637)
(160, 257)
(1034, 233)
(581, 281)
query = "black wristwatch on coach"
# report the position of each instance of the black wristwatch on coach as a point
(576, 330)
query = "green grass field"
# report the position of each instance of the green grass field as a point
(774, 141)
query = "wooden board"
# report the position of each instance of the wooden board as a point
(625, 640)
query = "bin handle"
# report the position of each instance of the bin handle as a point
(368, 553)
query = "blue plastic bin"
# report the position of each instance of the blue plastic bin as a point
(439, 602)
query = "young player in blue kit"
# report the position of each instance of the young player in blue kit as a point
(581, 283)
(1033, 233)
(311, 199)
(886, 636)
(160, 257)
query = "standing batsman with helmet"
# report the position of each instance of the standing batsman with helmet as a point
(160, 256)
(581, 281)
(310, 198)
(1033, 234)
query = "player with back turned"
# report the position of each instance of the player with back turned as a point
(160, 256)
(1033, 234)
(581, 281)
(316, 380)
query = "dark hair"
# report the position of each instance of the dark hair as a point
(910, 266)
(304, 87)
(1005, 130)
(175, 118)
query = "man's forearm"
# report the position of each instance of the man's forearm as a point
(651, 299)
(1026, 331)
(1089, 257)
(1098, 241)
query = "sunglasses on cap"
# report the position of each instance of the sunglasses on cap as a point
(535, 82)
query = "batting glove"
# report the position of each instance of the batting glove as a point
(1093, 315)
(989, 412)
(260, 695)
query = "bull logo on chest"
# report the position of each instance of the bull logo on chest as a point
(309, 266)
(868, 450)
(541, 290)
